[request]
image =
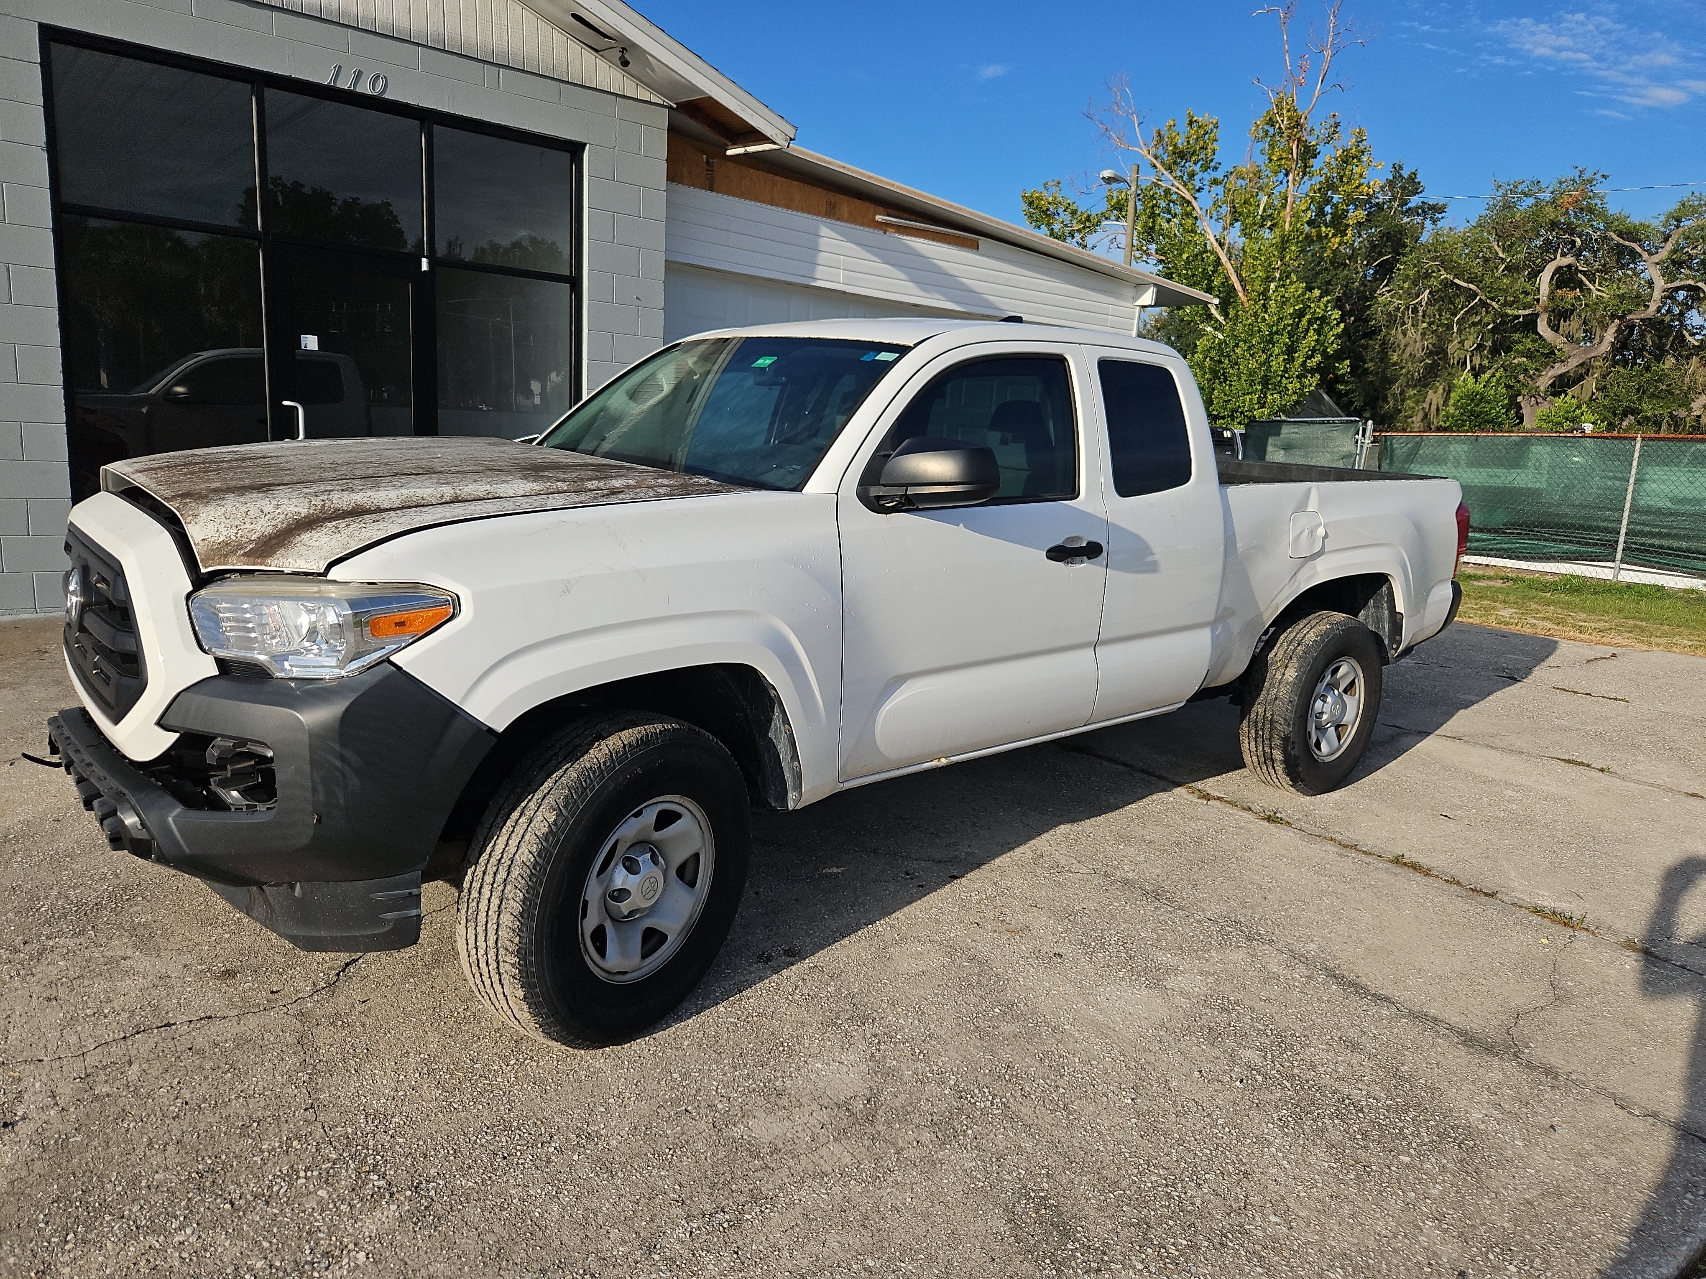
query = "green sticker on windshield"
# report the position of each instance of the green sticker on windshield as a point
(764, 361)
(888, 355)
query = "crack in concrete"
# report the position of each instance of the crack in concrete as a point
(1604, 697)
(1550, 1002)
(192, 1021)
(1511, 750)
(1469, 1038)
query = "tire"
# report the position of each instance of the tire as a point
(565, 833)
(1278, 731)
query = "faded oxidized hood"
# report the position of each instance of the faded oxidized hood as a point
(304, 505)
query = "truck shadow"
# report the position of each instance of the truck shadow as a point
(1462, 668)
(830, 870)
(1670, 1237)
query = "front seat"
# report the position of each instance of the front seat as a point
(1022, 421)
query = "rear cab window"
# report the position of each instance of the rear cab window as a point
(1149, 442)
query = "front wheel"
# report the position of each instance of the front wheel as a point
(1311, 703)
(604, 878)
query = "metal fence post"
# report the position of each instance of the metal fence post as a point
(1628, 500)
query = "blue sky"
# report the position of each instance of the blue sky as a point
(974, 102)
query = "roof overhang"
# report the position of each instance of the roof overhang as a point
(944, 215)
(623, 38)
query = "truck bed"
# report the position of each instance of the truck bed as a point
(1235, 471)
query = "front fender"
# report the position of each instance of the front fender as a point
(557, 602)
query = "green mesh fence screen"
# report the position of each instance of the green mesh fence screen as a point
(1560, 497)
(1317, 443)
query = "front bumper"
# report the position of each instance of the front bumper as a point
(364, 773)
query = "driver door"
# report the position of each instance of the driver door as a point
(961, 631)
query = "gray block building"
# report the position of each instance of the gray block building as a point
(242, 221)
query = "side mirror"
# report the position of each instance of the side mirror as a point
(928, 473)
(178, 392)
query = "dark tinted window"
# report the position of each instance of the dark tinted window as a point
(1148, 442)
(140, 301)
(234, 379)
(501, 202)
(1021, 408)
(342, 175)
(319, 381)
(505, 353)
(144, 138)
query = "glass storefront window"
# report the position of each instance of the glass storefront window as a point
(339, 174)
(502, 203)
(505, 353)
(163, 341)
(170, 340)
(143, 138)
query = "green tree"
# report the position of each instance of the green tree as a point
(1558, 292)
(1480, 404)
(1295, 243)
(1060, 217)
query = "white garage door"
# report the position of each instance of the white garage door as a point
(695, 300)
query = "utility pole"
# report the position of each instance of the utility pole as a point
(1130, 213)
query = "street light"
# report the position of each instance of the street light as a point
(1112, 178)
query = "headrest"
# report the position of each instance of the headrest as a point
(1019, 417)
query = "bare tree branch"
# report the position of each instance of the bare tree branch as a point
(1124, 108)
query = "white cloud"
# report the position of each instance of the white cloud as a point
(1636, 67)
(992, 69)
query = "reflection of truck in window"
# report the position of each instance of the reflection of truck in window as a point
(206, 399)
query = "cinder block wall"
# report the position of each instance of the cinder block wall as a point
(35, 485)
(622, 284)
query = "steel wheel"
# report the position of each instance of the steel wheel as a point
(1335, 710)
(646, 888)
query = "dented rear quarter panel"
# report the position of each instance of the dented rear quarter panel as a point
(1403, 529)
(557, 601)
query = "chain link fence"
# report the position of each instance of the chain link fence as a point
(1609, 499)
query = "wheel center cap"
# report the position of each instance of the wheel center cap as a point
(636, 882)
(1330, 707)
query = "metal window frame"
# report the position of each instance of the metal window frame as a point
(273, 248)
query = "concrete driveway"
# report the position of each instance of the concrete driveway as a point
(1107, 1007)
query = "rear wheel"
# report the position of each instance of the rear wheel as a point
(604, 878)
(1311, 703)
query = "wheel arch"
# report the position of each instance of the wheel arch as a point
(733, 702)
(1372, 598)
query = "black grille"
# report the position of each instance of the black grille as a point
(100, 631)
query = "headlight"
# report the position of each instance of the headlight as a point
(309, 628)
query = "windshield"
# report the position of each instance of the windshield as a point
(758, 411)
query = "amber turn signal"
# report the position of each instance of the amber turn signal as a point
(417, 621)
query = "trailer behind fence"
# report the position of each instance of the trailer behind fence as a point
(1609, 499)
(1324, 441)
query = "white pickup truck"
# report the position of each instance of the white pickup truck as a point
(763, 566)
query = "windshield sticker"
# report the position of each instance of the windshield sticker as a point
(888, 355)
(764, 361)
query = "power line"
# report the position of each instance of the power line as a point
(1656, 186)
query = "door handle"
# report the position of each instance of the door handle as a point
(1065, 552)
(301, 418)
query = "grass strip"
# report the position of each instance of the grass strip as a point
(1624, 614)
